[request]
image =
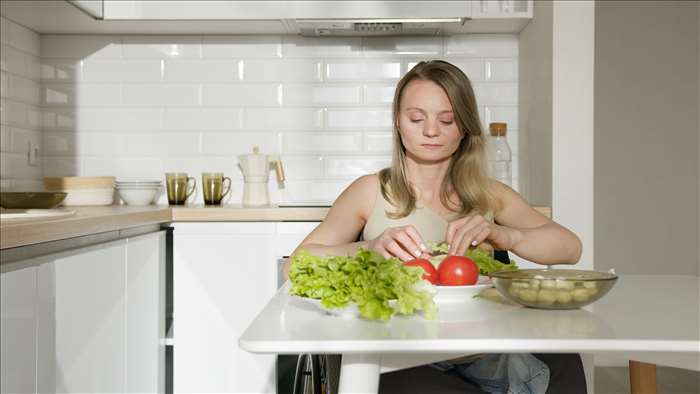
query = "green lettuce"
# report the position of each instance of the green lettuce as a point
(482, 259)
(367, 279)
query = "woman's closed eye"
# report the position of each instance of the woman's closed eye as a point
(416, 120)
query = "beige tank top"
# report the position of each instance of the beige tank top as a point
(431, 226)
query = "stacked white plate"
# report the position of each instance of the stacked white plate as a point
(139, 192)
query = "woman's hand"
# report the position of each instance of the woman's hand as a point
(403, 242)
(472, 230)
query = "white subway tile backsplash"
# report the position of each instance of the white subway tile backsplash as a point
(353, 167)
(21, 138)
(379, 93)
(28, 185)
(63, 166)
(23, 39)
(401, 46)
(33, 67)
(239, 142)
(475, 69)
(161, 47)
(282, 118)
(508, 115)
(14, 113)
(321, 142)
(496, 94)
(134, 167)
(63, 70)
(4, 84)
(25, 90)
(482, 45)
(502, 70)
(100, 144)
(58, 119)
(316, 47)
(292, 70)
(5, 30)
(341, 70)
(138, 106)
(321, 95)
(241, 46)
(16, 165)
(379, 142)
(81, 46)
(4, 138)
(12, 60)
(117, 70)
(34, 117)
(265, 95)
(161, 94)
(162, 144)
(317, 191)
(302, 167)
(210, 70)
(195, 166)
(86, 119)
(193, 119)
(83, 95)
(60, 143)
(359, 118)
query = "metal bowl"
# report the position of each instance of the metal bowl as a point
(553, 288)
(31, 200)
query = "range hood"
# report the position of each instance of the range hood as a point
(312, 18)
(377, 27)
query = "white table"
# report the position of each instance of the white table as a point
(654, 319)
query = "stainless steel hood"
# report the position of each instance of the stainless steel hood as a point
(378, 27)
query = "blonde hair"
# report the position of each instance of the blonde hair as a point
(467, 175)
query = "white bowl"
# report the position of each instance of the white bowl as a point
(462, 293)
(76, 197)
(138, 196)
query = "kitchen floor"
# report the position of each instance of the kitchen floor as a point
(615, 380)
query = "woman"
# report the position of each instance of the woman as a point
(437, 189)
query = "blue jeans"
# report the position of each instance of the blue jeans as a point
(516, 373)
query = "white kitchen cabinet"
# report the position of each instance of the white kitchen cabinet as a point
(224, 273)
(89, 308)
(145, 313)
(89, 319)
(18, 318)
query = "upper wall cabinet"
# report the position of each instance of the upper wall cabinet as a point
(309, 18)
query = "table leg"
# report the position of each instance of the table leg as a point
(359, 374)
(642, 378)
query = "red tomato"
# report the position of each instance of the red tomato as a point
(457, 271)
(431, 274)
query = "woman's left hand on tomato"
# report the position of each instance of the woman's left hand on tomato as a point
(473, 230)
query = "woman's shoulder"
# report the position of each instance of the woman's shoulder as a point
(360, 195)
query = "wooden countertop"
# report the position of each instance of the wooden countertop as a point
(93, 220)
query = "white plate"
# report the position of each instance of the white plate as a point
(461, 293)
(14, 214)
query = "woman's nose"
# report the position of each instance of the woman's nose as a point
(431, 129)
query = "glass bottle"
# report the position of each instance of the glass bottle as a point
(499, 153)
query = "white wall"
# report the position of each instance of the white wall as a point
(646, 137)
(20, 116)
(138, 106)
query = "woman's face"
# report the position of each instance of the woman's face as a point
(426, 122)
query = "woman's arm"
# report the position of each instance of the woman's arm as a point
(518, 228)
(536, 237)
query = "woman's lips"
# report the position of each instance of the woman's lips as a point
(431, 146)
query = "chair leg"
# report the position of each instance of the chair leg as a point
(642, 378)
